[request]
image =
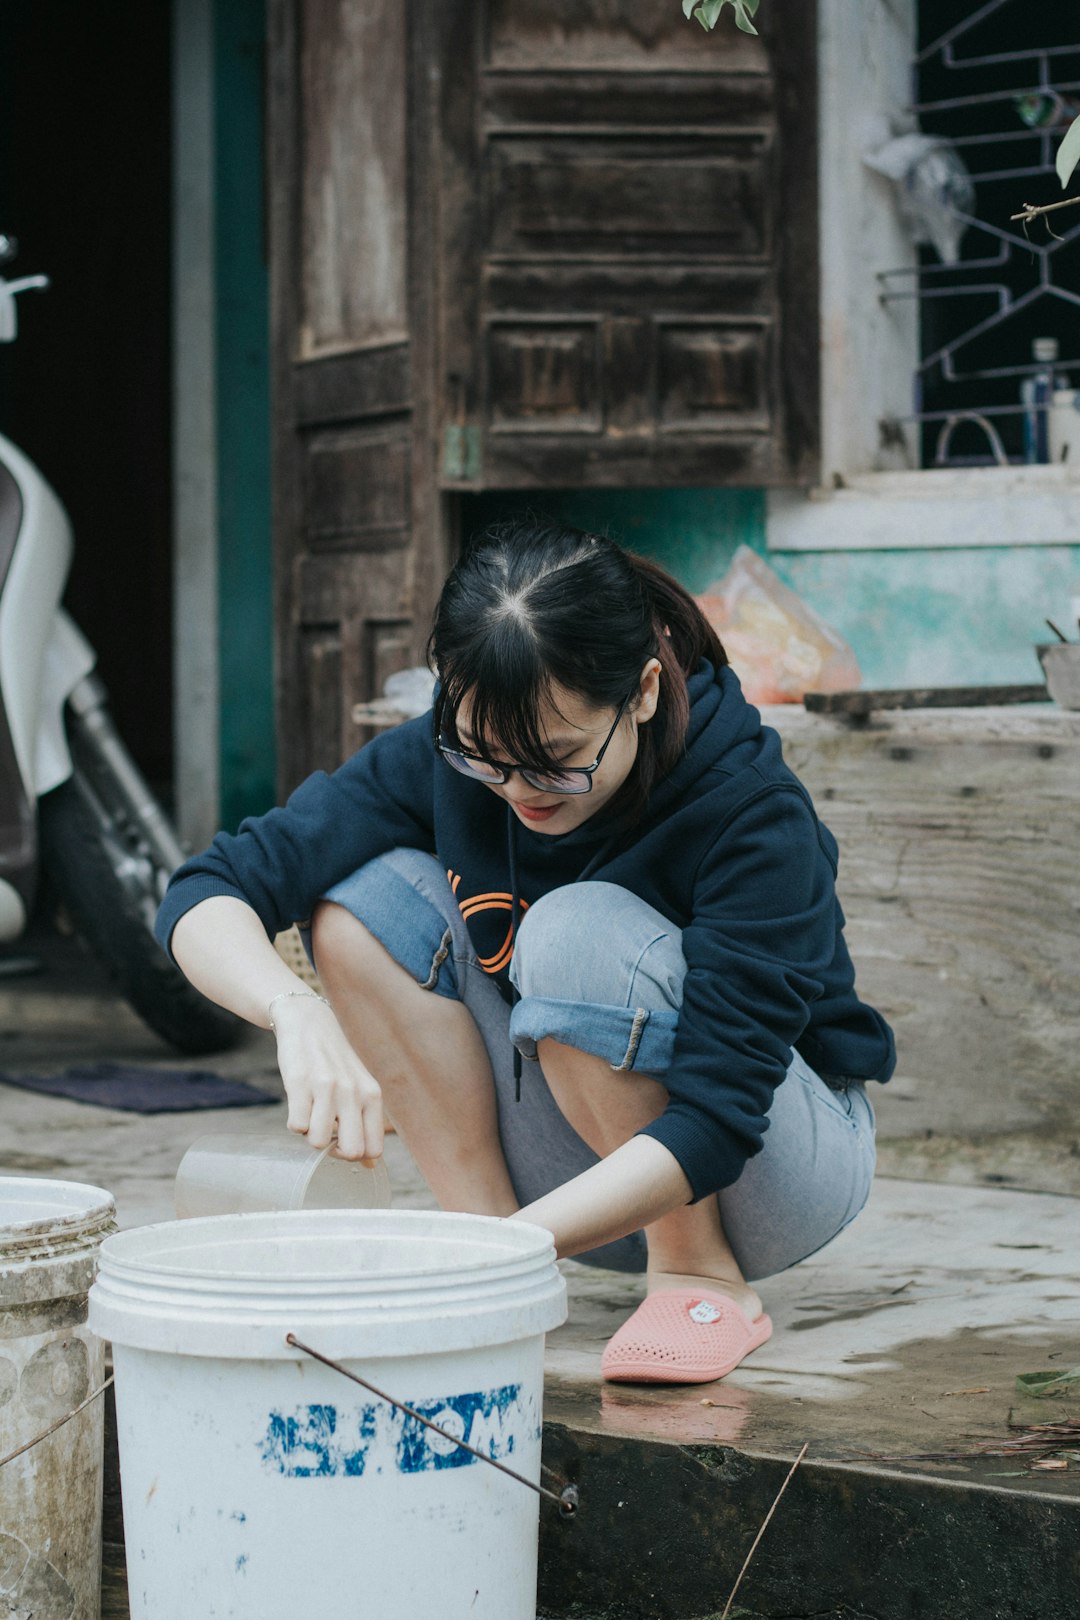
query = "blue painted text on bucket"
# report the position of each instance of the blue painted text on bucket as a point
(322, 1441)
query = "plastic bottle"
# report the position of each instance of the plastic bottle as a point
(1036, 395)
(1064, 428)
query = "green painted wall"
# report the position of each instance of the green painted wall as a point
(245, 572)
(938, 618)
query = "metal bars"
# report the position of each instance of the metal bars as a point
(976, 334)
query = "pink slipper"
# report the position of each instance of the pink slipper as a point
(682, 1337)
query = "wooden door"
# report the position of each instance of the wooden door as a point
(517, 244)
(359, 548)
(628, 287)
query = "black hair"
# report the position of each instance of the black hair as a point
(535, 603)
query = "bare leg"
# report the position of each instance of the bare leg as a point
(429, 1058)
(687, 1249)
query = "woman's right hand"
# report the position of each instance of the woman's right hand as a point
(330, 1092)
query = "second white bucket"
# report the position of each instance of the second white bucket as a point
(259, 1484)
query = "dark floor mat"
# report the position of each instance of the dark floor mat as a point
(142, 1091)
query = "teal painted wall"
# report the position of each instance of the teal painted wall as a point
(940, 618)
(245, 573)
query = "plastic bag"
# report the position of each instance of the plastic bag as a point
(778, 646)
(934, 187)
(412, 690)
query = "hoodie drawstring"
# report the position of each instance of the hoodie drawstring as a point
(515, 905)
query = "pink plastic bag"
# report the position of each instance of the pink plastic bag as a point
(779, 647)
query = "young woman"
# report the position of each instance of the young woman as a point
(578, 931)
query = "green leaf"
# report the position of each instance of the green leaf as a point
(1068, 153)
(1047, 1383)
(708, 11)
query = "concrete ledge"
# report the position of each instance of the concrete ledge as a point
(903, 1337)
(664, 1530)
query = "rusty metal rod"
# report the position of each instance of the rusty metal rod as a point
(59, 1424)
(566, 1501)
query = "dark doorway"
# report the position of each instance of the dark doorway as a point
(85, 114)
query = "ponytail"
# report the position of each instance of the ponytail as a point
(684, 637)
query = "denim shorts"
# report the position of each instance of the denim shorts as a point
(615, 989)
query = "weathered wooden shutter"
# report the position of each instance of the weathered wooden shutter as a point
(517, 244)
(627, 245)
(358, 532)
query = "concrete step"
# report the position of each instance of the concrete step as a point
(664, 1529)
(904, 1337)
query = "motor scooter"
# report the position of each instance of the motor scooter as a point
(72, 801)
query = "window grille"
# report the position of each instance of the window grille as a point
(1000, 82)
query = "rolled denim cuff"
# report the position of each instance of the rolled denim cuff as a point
(629, 1038)
(397, 898)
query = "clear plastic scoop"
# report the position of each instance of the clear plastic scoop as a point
(238, 1174)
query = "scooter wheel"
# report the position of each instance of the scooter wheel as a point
(95, 885)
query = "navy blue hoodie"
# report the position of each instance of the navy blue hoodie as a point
(729, 849)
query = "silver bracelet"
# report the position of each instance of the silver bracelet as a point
(309, 995)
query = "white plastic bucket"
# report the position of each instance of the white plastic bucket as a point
(50, 1496)
(259, 1484)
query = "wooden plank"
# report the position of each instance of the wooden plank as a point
(628, 35)
(350, 386)
(794, 45)
(539, 460)
(360, 528)
(958, 832)
(709, 100)
(858, 704)
(601, 287)
(353, 198)
(283, 123)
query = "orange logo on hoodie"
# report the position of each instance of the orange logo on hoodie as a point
(471, 907)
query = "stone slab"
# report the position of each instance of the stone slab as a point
(958, 831)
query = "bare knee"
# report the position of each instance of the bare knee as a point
(619, 1091)
(342, 946)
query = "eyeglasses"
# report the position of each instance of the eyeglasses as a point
(575, 779)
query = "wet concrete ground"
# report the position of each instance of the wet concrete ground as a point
(905, 1336)
(936, 1288)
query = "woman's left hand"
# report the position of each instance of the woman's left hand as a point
(632, 1187)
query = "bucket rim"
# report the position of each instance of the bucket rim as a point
(88, 1213)
(530, 1243)
(485, 1293)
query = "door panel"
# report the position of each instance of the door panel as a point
(628, 194)
(359, 531)
(356, 487)
(621, 34)
(630, 233)
(352, 174)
